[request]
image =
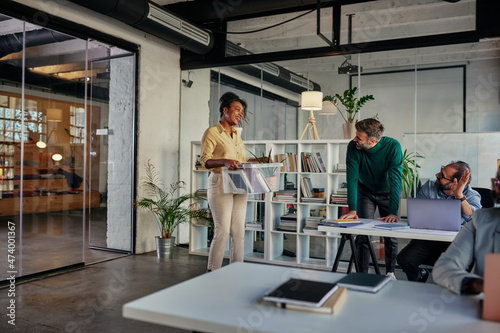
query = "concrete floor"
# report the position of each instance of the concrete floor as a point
(91, 299)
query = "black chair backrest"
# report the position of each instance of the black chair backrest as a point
(486, 199)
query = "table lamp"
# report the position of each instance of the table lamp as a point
(311, 101)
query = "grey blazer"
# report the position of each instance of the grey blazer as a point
(476, 238)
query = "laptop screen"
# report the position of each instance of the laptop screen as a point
(435, 214)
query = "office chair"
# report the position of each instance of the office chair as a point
(486, 199)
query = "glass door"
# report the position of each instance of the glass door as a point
(111, 142)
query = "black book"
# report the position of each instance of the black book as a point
(364, 282)
(302, 292)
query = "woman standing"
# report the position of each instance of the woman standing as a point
(222, 147)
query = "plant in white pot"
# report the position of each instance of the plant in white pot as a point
(352, 105)
(168, 207)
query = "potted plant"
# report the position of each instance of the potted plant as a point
(410, 178)
(168, 207)
(352, 105)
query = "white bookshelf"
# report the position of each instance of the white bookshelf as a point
(271, 245)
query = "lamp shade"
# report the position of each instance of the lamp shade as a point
(55, 115)
(329, 108)
(311, 100)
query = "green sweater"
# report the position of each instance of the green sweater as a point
(378, 168)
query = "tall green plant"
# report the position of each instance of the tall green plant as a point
(166, 205)
(351, 103)
(410, 177)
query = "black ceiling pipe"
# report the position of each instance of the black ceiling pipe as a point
(155, 20)
(13, 74)
(14, 42)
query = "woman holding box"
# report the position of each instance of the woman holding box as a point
(222, 146)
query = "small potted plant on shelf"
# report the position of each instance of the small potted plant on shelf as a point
(168, 207)
(352, 105)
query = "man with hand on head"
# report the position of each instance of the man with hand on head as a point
(374, 166)
(452, 183)
(453, 269)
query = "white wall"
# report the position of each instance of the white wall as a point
(158, 98)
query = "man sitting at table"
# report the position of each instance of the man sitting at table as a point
(475, 239)
(452, 183)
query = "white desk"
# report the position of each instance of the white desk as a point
(229, 300)
(367, 229)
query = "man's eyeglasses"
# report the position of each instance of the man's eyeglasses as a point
(441, 175)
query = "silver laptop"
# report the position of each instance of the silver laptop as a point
(436, 214)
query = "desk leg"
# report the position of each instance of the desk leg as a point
(339, 253)
(354, 257)
(374, 259)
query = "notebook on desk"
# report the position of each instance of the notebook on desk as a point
(435, 214)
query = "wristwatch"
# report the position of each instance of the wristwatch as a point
(463, 198)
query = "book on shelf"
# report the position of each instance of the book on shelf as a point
(313, 199)
(341, 167)
(254, 226)
(288, 222)
(392, 226)
(364, 282)
(285, 195)
(311, 226)
(331, 305)
(341, 190)
(322, 166)
(302, 292)
(306, 187)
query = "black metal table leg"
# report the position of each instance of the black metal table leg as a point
(339, 253)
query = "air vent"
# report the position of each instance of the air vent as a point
(162, 17)
(301, 81)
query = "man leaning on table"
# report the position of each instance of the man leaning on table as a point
(476, 238)
(374, 166)
(452, 183)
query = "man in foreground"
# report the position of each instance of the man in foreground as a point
(478, 237)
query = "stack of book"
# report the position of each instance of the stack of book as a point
(285, 196)
(288, 222)
(339, 197)
(201, 193)
(312, 162)
(342, 223)
(254, 226)
(311, 227)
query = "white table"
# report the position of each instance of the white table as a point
(367, 229)
(230, 300)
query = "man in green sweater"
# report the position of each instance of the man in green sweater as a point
(374, 167)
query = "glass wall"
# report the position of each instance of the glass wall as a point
(57, 148)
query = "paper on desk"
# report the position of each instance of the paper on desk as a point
(370, 226)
